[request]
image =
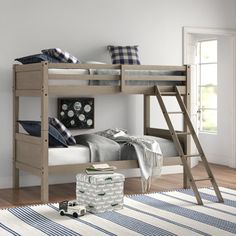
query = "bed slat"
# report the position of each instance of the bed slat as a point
(82, 77)
(29, 67)
(157, 78)
(149, 90)
(28, 93)
(75, 90)
(154, 67)
(28, 138)
(82, 66)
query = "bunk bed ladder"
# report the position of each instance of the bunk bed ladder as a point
(183, 156)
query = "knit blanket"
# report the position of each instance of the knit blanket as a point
(146, 150)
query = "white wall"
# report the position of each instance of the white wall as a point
(84, 28)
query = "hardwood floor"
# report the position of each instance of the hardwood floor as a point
(225, 176)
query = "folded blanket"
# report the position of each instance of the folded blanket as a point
(116, 144)
(101, 148)
(146, 150)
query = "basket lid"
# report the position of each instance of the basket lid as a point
(100, 179)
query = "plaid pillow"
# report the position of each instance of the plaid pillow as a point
(124, 54)
(34, 128)
(60, 55)
(62, 130)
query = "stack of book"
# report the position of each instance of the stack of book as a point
(98, 169)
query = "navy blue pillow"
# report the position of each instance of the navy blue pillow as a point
(34, 128)
(37, 58)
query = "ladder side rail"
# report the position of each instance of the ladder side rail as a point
(198, 145)
(178, 146)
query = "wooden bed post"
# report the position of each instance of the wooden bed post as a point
(122, 85)
(15, 170)
(187, 102)
(44, 134)
(146, 113)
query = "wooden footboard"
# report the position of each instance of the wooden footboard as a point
(28, 79)
(29, 150)
(120, 165)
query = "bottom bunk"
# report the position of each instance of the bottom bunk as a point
(77, 157)
(74, 159)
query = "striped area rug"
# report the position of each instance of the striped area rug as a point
(166, 213)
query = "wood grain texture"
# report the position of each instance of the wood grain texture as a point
(225, 176)
(44, 134)
(29, 80)
(15, 171)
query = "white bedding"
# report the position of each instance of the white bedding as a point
(79, 154)
(145, 73)
(76, 154)
(68, 71)
(167, 146)
(108, 72)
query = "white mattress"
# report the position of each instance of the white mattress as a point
(145, 73)
(79, 154)
(68, 72)
(76, 154)
(109, 72)
(167, 146)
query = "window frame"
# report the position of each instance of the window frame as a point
(200, 86)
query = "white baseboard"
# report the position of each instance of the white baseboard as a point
(194, 161)
(167, 170)
(220, 160)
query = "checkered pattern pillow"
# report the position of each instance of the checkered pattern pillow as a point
(62, 130)
(124, 54)
(60, 55)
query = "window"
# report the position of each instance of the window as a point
(207, 85)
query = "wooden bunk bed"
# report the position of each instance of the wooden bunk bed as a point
(34, 80)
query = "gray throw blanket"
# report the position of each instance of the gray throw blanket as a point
(104, 146)
(148, 153)
(101, 149)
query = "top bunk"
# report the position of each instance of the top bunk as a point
(66, 79)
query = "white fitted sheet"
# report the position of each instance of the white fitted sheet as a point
(167, 146)
(79, 154)
(76, 154)
(145, 73)
(68, 71)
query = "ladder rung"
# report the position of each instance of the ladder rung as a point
(168, 93)
(183, 133)
(193, 155)
(203, 179)
(175, 112)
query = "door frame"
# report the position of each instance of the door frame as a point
(187, 31)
